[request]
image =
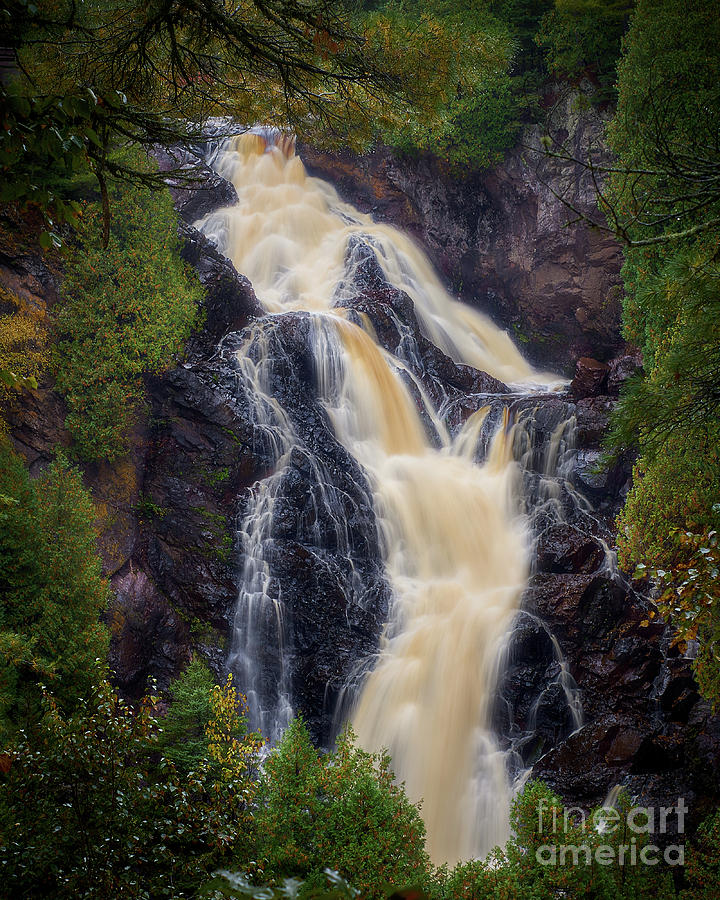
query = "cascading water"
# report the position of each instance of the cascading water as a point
(455, 550)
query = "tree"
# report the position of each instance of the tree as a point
(87, 810)
(182, 737)
(51, 588)
(663, 199)
(583, 36)
(664, 187)
(538, 861)
(104, 73)
(340, 811)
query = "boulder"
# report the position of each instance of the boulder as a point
(590, 378)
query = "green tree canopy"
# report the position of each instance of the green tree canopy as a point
(341, 811)
(51, 590)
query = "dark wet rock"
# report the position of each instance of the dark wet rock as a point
(590, 378)
(622, 368)
(565, 548)
(392, 315)
(195, 187)
(592, 415)
(229, 302)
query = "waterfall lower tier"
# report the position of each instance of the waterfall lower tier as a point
(453, 546)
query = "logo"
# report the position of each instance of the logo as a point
(609, 835)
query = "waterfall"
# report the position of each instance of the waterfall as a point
(454, 546)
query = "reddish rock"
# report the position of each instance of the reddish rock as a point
(148, 638)
(621, 368)
(590, 378)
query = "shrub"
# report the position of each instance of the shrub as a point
(584, 36)
(52, 589)
(534, 866)
(127, 312)
(87, 810)
(702, 873)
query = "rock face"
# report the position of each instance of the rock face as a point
(590, 697)
(501, 238)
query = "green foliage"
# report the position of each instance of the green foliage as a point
(340, 810)
(127, 311)
(182, 737)
(23, 347)
(664, 200)
(86, 812)
(476, 116)
(524, 17)
(666, 125)
(533, 865)
(583, 37)
(702, 872)
(92, 76)
(52, 590)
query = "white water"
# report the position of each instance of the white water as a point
(455, 551)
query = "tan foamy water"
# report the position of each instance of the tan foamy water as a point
(455, 551)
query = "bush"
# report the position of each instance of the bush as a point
(52, 589)
(23, 347)
(702, 873)
(127, 312)
(667, 118)
(87, 810)
(340, 811)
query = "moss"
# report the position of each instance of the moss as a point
(220, 545)
(147, 509)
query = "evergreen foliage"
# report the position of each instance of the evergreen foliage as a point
(533, 865)
(664, 200)
(583, 37)
(127, 311)
(340, 810)
(182, 737)
(51, 588)
(478, 111)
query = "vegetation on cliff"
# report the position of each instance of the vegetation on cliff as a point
(664, 200)
(52, 591)
(127, 311)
